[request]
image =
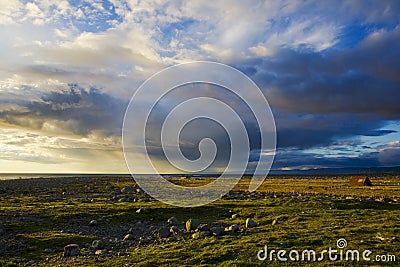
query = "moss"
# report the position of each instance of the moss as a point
(316, 219)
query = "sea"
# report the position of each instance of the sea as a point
(12, 176)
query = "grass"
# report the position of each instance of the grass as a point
(314, 218)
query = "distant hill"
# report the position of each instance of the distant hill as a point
(337, 171)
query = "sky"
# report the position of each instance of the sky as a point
(329, 69)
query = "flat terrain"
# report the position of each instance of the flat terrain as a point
(38, 217)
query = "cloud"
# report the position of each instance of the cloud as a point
(303, 160)
(360, 80)
(329, 70)
(76, 111)
(389, 154)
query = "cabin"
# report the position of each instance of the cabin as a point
(360, 181)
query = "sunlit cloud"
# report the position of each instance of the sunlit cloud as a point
(68, 69)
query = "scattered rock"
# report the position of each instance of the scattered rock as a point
(125, 199)
(97, 244)
(30, 262)
(250, 223)
(49, 250)
(201, 234)
(203, 227)
(279, 219)
(129, 237)
(387, 200)
(164, 232)
(232, 229)
(143, 210)
(192, 224)
(217, 230)
(173, 221)
(235, 216)
(174, 229)
(93, 223)
(144, 199)
(128, 190)
(100, 252)
(71, 250)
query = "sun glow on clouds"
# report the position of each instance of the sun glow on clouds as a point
(329, 70)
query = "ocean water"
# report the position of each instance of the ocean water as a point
(11, 176)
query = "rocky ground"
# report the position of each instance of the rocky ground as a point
(51, 221)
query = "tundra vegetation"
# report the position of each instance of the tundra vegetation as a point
(114, 223)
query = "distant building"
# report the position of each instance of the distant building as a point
(360, 181)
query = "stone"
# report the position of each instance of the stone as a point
(250, 223)
(201, 234)
(129, 237)
(2, 230)
(30, 262)
(204, 227)
(174, 229)
(125, 199)
(235, 216)
(164, 232)
(128, 190)
(278, 220)
(143, 210)
(217, 230)
(100, 252)
(232, 229)
(192, 224)
(97, 244)
(49, 250)
(173, 221)
(71, 250)
(93, 223)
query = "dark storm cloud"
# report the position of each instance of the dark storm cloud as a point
(320, 97)
(298, 159)
(365, 79)
(311, 130)
(76, 110)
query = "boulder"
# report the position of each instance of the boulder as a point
(201, 234)
(97, 244)
(101, 252)
(204, 227)
(173, 221)
(174, 229)
(93, 223)
(71, 250)
(2, 230)
(128, 190)
(250, 223)
(232, 229)
(217, 230)
(143, 210)
(164, 232)
(129, 237)
(279, 219)
(192, 224)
